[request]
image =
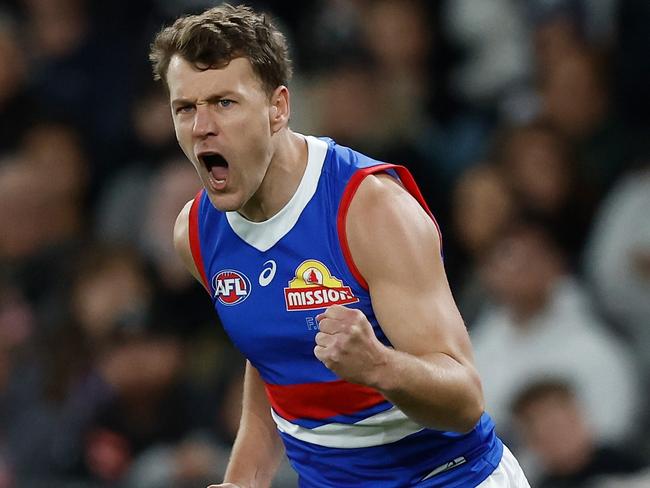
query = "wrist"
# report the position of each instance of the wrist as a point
(383, 371)
(235, 484)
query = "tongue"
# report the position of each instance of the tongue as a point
(219, 172)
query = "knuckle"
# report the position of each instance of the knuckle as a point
(354, 330)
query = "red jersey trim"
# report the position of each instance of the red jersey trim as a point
(195, 243)
(350, 190)
(321, 400)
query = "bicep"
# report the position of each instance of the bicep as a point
(396, 247)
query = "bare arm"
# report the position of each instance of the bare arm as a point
(182, 240)
(430, 373)
(258, 449)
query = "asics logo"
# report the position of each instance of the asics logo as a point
(268, 273)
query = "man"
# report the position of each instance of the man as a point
(326, 271)
(540, 321)
(553, 425)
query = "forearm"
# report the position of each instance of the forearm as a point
(256, 455)
(435, 390)
(258, 449)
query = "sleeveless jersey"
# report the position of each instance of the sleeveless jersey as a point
(268, 281)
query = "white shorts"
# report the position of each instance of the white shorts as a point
(508, 474)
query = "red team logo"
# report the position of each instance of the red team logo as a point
(314, 287)
(231, 287)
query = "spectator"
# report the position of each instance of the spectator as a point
(123, 380)
(540, 169)
(617, 266)
(496, 49)
(42, 195)
(617, 260)
(576, 100)
(118, 207)
(553, 425)
(483, 207)
(557, 29)
(542, 324)
(398, 35)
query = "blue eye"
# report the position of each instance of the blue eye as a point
(225, 103)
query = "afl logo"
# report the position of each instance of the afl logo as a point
(231, 287)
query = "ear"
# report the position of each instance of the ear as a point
(280, 109)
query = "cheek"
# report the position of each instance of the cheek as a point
(183, 126)
(179, 131)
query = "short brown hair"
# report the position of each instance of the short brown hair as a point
(541, 389)
(217, 36)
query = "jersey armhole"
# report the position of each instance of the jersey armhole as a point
(409, 184)
(195, 242)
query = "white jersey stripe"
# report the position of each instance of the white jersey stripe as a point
(264, 235)
(382, 428)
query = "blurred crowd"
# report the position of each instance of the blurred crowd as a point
(526, 124)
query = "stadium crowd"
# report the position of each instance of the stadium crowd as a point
(526, 124)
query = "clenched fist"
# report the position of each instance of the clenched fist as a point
(347, 345)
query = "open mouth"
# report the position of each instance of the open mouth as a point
(216, 165)
(212, 160)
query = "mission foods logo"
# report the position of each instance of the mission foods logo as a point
(315, 287)
(231, 287)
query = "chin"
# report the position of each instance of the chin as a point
(224, 204)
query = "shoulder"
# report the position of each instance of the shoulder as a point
(382, 204)
(386, 224)
(182, 240)
(182, 230)
(384, 191)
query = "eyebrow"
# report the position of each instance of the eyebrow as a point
(180, 102)
(212, 98)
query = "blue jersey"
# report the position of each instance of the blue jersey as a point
(268, 281)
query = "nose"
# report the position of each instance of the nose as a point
(205, 123)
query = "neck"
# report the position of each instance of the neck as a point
(282, 178)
